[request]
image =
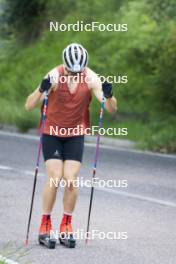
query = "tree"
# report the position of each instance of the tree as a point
(23, 19)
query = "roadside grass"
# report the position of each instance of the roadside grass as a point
(10, 253)
(18, 81)
(155, 135)
(13, 113)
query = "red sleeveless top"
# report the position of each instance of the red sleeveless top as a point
(67, 110)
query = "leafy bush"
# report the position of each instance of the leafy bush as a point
(146, 53)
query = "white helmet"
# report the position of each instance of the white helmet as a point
(75, 57)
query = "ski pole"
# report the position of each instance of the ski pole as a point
(95, 166)
(38, 161)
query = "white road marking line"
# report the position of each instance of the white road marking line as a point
(109, 190)
(7, 261)
(132, 151)
(5, 167)
(30, 172)
(36, 138)
(138, 196)
(18, 135)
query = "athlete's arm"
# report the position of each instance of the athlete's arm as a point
(38, 95)
(96, 87)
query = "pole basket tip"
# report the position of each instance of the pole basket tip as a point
(26, 242)
(86, 241)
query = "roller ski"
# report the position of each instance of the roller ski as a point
(44, 237)
(66, 234)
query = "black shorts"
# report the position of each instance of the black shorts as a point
(62, 148)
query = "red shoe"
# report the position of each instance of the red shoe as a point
(66, 226)
(44, 237)
(66, 232)
(46, 226)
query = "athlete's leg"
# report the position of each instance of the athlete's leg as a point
(54, 169)
(52, 152)
(71, 169)
(72, 154)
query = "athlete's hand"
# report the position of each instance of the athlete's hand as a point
(45, 85)
(107, 89)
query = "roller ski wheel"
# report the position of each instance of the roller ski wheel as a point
(46, 241)
(68, 241)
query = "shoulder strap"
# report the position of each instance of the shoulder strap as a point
(60, 69)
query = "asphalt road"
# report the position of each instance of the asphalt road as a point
(145, 210)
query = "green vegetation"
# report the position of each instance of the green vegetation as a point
(146, 53)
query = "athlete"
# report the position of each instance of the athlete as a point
(70, 87)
